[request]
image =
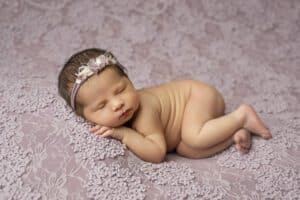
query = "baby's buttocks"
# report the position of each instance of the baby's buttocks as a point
(173, 97)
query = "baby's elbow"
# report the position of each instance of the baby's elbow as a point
(157, 158)
(156, 153)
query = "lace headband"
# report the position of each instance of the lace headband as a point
(85, 71)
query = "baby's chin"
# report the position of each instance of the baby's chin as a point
(130, 119)
(119, 124)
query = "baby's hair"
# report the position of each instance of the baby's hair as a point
(67, 75)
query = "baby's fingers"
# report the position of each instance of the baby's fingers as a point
(107, 133)
(101, 130)
(95, 128)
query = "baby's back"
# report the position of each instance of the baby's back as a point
(172, 98)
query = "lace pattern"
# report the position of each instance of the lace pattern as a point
(249, 50)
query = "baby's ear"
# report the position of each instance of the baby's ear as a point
(79, 109)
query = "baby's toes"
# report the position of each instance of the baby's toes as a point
(267, 134)
(248, 145)
(248, 142)
(238, 147)
(245, 150)
(242, 148)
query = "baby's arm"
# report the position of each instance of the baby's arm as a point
(151, 147)
(148, 139)
(148, 142)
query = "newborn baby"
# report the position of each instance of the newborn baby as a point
(186, 116)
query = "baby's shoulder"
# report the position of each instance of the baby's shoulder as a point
(149, 109)
(148, 100)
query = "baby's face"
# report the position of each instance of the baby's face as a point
(108, 99)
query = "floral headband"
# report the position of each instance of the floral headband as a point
(85, 71)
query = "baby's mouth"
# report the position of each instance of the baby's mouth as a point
(125, 113)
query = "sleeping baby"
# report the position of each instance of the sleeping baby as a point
(185, 116)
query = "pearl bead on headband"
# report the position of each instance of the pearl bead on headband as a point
(85, 71)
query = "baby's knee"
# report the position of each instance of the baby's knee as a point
(221, 105)
(218, 101)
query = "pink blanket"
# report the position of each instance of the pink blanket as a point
(248, 49)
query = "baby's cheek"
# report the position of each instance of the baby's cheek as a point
(105, 119)
(135, 98)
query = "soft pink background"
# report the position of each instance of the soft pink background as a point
(248, 49)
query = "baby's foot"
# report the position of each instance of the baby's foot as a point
(242, 140)
(253, 123)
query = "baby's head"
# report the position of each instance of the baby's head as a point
(97, 88)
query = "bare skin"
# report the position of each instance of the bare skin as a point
(242, 140)
(186, 116)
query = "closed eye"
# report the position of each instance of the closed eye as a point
(101, 106)
(119, 90)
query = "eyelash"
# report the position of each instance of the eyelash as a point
(101, 106)
(121, 90)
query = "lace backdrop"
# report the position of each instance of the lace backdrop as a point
(248, 49)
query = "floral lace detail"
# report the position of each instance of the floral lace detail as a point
(249, 50)
(114, 182)
(177, 180)
(38, 99)
(275, 182)
(251, 161)
(159, 173)
(287, 138)
(13, 163)
(88, 146)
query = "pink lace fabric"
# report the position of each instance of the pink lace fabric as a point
(249, 50)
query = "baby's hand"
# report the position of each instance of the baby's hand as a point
(104, 131)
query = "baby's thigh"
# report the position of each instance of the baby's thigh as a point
(205, 103)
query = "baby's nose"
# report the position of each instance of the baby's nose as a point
(118, 104)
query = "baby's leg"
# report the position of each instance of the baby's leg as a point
(202, 128)
(242, 139)
(189, 152)
(217, 130)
